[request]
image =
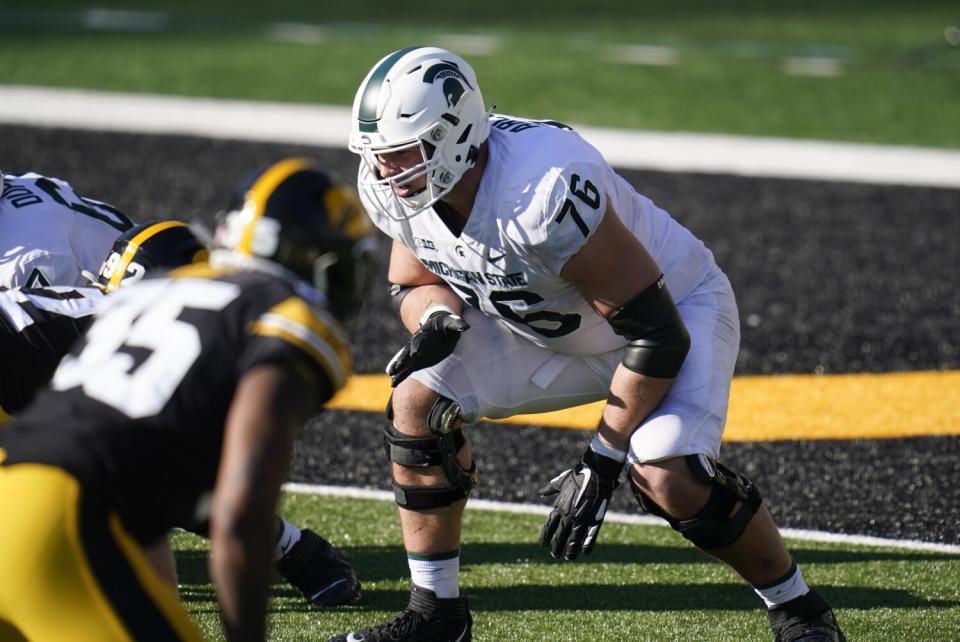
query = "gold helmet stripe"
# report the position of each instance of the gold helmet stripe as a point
(128, 253)
(255, 200)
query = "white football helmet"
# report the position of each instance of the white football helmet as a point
(425, 98)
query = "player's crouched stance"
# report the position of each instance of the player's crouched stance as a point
(532, 278)
(178, 407)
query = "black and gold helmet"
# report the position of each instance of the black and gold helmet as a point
(292, 213)
(150, 246)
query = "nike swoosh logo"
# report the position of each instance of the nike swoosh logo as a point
(463, 634)
(587, 474)
(353, 637)
(496, 259)
(322, 591)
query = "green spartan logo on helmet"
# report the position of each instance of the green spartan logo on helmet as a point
(453, 81)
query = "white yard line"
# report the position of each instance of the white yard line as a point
(626, 518)
(327, 126)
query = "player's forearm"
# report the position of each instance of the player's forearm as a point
(632, 398)
(270, 401)
(241, 547)
(421, 298)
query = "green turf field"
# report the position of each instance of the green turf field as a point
(872, 72)
(869, 71)
(641, 583)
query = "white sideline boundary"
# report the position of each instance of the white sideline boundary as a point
(625, 518)
(327, 126)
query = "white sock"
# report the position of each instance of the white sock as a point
(289, 535)
(439, 573)
(790, 586)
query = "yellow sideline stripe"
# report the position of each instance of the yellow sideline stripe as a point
(768, 408)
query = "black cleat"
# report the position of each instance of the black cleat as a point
(427, 618)
(807, 618)
(315, 568)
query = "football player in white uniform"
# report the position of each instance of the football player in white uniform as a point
(52, 235)
(535, 278)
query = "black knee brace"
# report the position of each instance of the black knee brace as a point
(716, 524)
(439, 449)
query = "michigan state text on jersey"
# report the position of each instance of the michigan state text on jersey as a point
(50, 234)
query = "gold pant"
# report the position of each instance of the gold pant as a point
(69, 572)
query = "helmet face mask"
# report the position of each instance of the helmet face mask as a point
(426, 98)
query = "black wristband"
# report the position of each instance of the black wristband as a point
(438, 313)
(607, 468)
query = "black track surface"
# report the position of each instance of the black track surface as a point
(830, 278)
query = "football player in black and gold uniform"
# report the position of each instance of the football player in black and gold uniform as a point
(266, 215)
(39, 325)
(177, 408)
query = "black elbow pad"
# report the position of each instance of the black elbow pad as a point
(658, 338)
(398, 293)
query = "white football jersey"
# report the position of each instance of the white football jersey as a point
(543, 193)
(49, 233)
(23, 308)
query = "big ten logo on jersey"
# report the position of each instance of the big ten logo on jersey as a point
(134, 271)
(19, 196)
(426, 244)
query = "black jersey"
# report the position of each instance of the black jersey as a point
(37, 328)
(136, 411)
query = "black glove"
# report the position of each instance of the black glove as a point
(583, 493)
(429, 345)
